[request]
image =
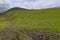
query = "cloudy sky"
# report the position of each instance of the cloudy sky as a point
(32, 4)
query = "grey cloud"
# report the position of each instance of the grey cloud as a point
(28, 4)
(4, 7)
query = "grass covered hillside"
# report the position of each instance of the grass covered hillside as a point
(47, 19)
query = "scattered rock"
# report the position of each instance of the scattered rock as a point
(17, 33)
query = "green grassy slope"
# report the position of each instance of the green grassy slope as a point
(47, 19)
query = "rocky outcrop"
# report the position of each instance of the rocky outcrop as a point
(17, 33)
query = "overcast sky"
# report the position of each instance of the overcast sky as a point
(32, 4)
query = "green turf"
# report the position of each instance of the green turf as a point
(47, 19)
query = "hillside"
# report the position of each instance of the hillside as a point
(47, 19)
(43, 19)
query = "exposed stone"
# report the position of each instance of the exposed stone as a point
(17, 33)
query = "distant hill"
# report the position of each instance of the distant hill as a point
(16, 8)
